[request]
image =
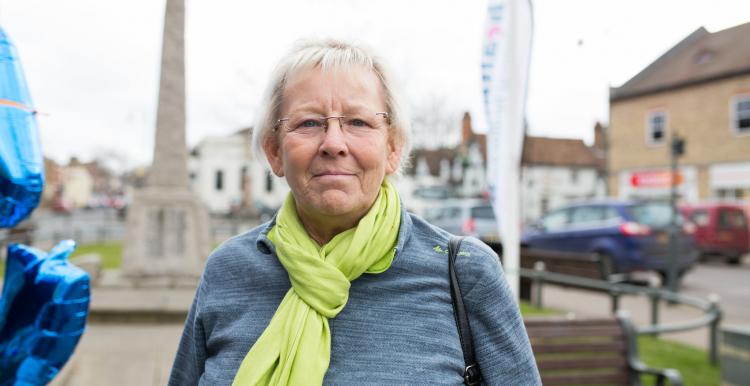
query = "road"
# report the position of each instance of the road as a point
(731, 283)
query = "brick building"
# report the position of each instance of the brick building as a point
(699, 89)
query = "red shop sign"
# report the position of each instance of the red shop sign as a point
(654, 179)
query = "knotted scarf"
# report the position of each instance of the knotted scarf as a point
(295, 348)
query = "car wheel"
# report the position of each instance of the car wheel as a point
(734, 260)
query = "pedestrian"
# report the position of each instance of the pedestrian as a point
(343, 286)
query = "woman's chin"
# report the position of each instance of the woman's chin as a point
(336, 202)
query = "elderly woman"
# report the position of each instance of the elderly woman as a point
(344, 286)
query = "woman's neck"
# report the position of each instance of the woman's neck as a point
(323, 228)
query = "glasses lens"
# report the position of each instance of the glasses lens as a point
(304, 124)
(310, 124)
(364, 122)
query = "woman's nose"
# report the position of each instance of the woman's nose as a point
(334, 139)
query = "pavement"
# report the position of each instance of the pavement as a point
(122, 354)
(131, 336)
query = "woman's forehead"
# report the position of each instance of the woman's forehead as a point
(352, 88)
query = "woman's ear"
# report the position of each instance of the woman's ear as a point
(273, 154)
(393, 157)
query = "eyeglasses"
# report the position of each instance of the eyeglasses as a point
(312, 125)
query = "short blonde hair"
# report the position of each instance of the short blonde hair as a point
(330, 55)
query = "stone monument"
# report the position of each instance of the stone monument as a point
(167, 237)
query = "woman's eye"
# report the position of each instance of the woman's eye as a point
(309, 123)
(358, 123)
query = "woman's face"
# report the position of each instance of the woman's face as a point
(335, 171)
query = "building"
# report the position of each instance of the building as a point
(457, 171)
(228, 179)
(53, 183)
(558, 171)
(555, 171)
(80, 185)
(699, 90)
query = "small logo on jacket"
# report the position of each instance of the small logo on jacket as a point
(440, 249)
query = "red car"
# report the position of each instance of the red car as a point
(721, 229)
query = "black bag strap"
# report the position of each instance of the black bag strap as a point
(472, 375)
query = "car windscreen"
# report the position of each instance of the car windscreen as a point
(434, 193)
(700, 218)
(654, 214)
(483, 212)
(732, 219)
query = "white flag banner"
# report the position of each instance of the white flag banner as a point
(505, 67)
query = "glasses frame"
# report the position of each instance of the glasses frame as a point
(384, 114)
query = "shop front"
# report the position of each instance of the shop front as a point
(655, 184)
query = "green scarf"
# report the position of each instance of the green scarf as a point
(295, 348)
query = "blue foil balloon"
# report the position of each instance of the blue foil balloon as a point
(43, 312)
(21, 162)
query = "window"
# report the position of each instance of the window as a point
(611, 214)
(700, 218)
(269, 182)
(656, 128)
(741, 114)
(441, 213)
(587, 214)
(732, 219)
(555, 220)
(243, 178)
(654, 214)
(544, 205)
(730, 194)
(219, 180)
(482, 212)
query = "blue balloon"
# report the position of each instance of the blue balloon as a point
(43, 312)
(21, 162)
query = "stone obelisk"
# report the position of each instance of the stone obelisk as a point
(167, 236)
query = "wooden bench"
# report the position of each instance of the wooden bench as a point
(586, 265)
(591, 352)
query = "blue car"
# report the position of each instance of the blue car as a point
(629, 236)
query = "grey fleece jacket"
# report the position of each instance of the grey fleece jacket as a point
(398, 327)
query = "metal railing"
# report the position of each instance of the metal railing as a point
(709, 307)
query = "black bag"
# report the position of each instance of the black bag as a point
(472, 375)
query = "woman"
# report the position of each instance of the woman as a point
(344, 286)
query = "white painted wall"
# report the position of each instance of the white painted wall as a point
(78, 186)
(230, 154)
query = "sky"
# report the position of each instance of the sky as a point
(93, 65)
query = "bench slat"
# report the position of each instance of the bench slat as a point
(546, 321)
(614, 332)
(557, 347)
(620, 378)
(581, 363)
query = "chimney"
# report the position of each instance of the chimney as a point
(599, 136)
(467, 133)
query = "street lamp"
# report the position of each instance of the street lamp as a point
(677, 150)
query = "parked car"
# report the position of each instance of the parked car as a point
(425, 197)
(435, 192)
(628, 236)
(469, 217)
(721, 229)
